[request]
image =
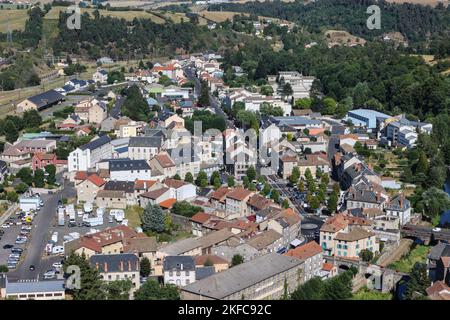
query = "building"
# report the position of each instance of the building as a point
(365, 198)
(312, 255)
(236, 203)
(129, 170)
(399, 207)
(101, 76)
(313, 162)
(111, 199)
(154, 197)
(180, 190)
(179, 270)
(32, 289)
(217, 262)
(88, 187)
(40, 101)
(41, 160)
(87, 156)
(91, 111)
(366, 117)
(144, 148)
(264, 277)
(114, 267)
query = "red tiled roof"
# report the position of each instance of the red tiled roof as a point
(220, 193)
(201, 217)
(201, 260)
(144, 184)
(327, 266)
(81, 175)
(95, 179)
(45, 156)
(168, 204)
(173, 183)
(305, 251)
(155, 194)
(239, 194)
(164, 160)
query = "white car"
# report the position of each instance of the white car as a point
(437, 229)
(49, 274)
(5, 226)
(57, 265)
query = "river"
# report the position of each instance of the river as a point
(445, 217)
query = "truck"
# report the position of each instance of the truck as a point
(29, 203)
(61, 220)
(118, 214)
(88, 207)
(69, 209)
(55, 237)
(100, 212)
(72, 217)
(96, 221)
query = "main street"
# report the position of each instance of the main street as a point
(40, 235)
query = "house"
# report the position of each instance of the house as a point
(32, 290)
(266, 241)
(111, 199)
(91, 111)
(142, 247)
(312, 255)
(218, 198)
(180, 190)
(265, 277)
(112, 240)
(86, 156)
(101, 76)
(144, 148)
(129, 170)
(287, 163)
(35, 145)
(399, 207)
(338, 238)
(438, 291)
(154, 197)
(41, 160)
(127, 187)
(313, 162)
(40, 101)
(236, 203)
(287, 223)
(213, 239)
(185, 247)
(164, 164)
(257, 203)
(88, 187)
(12, 155)
(179, 270)
(365, 199)
(217, 262)
(436, 259)
(116, 267)
(366, 118)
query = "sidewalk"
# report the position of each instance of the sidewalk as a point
(8, 213)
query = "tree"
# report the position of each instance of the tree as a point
(153, 219)
(266, 189)
(217, 183)
(12, 196)
(418, 283)
(366, 255)
(301, 186)
(202, 179)
(118, 289)
(11, 132)
(177, 177)
(215, 175)
(135, 106)
(184, 208)
(115, 76)
(189, 177)
(329, 106)
(26, 175)
(275, 196)
(32, 118)
(146, 267)
(310, 290)
(152, 290)
(203, 99)
(51, 170)
(287, 90)
(231, 182)
(251, 186)
(435, 201)
(285, 203)
(303, 103)
(267, 90)
(91, 285)
(39, 178)
(333, 202)
(422, 164)
(21, 187)
(3, 268)
(251, 173)
(237, 259)
(295, 175)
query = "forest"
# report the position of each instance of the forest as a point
(416, 22)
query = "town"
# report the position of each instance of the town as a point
(163, 181)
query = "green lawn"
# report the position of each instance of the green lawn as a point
(366, 294)
(133, 214)
(406, 263)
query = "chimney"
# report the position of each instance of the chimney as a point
(129, 265)
(121, 266)
(96, 265)
(145, 185)
(378, 196)
(401, 201)
(181, 266)
(106, 267)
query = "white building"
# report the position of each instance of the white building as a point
(88, 155)
(180, 190)
(129, 170)
(179, 270)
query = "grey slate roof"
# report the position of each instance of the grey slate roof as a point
(129, 261)
(442, 249)
(363, 196)
(153, 142)
(179, 263)
(46, 98)
(35, 286)
(204, 272)
(181, 246)
(126, 186)
(225, 283)
(128, 165)
(395, 203)
(97, 143)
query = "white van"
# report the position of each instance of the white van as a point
(58, 250)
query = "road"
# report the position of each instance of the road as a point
(40, 236)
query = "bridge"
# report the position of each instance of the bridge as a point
(370, 275)
(425, 234)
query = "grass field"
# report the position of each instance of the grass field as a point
(14, 18)
(366, 294)
(133, 214)
(406, 263)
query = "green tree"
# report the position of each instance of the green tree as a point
(202, 179)
(203, 99)
(11, 132)
(26, 175)
(91, 285)
(3, 268)
(303, 103)
(177, 177)
(146, 267)
(12, 196)
(422, 164)
(152, 290)
(230, 181)
(266, 189)
(184, 208)
(366, 255)
(285, 203)
(287, 90)
(275, 195)
(217, 183)
(435, 201)
(312, 289)
(418, 283)
(135, 106)
(189, 177)
(32, 118)
(51, 170)
(267, 90)
(237, 259)
(39, 178)
(251, 173)
(214, 175)
(153, 219)
(329, 106)
(295, 175)
(21, 187)
(301, 186)
(118, 289)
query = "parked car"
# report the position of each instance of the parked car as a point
(32, 267)
(5, 225)
(17, 250)
(8, 246)
(50, 274)
(57, 265)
